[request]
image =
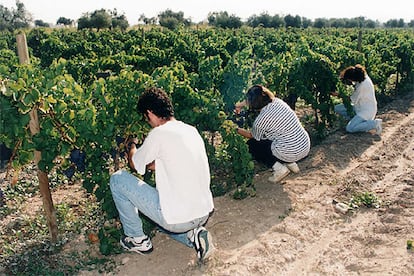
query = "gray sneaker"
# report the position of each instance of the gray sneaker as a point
(280, 171)
(203, 243)
(141, 245)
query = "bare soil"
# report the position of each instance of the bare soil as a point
(293, 228)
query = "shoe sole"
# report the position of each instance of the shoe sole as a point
(204, 241)
(279, 178)
(135, 249)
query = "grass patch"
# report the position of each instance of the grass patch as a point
(25, 248)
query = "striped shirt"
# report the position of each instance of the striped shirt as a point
(279, 123)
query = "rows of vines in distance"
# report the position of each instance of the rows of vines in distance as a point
(205, 71)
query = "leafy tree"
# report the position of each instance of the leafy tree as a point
(21, 17)
(277, 21)
(293, 21)
(119, 21)
(6, 17)
(321, 23)
(172, 20)
(411, 24)
(40, 23)
(84, 22)
(64, 21)
(15, 18)
(101, 19)
(146, 20)
(265, 20)
(371, 24)
(337, 22)
(395, 23)
(306, 22)
(357, 22)
(224, 20)
(401, 23)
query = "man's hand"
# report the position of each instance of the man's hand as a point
(131, 148)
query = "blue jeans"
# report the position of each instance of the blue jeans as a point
(356, 124)
(131, 195)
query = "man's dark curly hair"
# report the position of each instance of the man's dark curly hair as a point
(256, 97)
(354, 73)
(157, 101)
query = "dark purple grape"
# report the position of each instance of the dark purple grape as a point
(81, 167)
(5, 155)
(77, 157)
(2, 198)
(113, 153)
(119, 140)
(69, 172)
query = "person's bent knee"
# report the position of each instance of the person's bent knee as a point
(114, 179)
(350, 129)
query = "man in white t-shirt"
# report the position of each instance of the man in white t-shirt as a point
(182, 201)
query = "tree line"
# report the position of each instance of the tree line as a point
(11, 19)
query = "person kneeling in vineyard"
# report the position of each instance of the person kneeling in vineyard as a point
(363, 101)
(277, 137)
(181, 202)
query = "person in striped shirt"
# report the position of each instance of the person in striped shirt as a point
(277, 137)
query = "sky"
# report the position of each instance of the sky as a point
(50, 10)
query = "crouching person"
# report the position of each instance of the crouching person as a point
(181, 202)
(277, 137)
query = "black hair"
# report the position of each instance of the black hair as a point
(257, 98)
(157, 101)
(353, 73)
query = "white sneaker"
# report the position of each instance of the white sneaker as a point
(280, 171)
(141, 245)
(293, 167)
(378, 126)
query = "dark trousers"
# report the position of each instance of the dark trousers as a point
(262, 152)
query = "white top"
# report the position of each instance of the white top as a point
(363, 99)
(182, 173)
(279, 123)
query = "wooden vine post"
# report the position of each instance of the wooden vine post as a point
(44, 187)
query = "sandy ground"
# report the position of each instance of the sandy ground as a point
(292, 228)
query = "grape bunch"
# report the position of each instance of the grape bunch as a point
(120, 142)
(69, 172)
(2, 198)
(244, 119)
(77, 158)
(5, 155)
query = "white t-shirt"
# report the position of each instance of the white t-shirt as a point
(182, 173)
(363, 99)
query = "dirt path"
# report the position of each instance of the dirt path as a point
(293, 229)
